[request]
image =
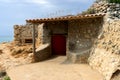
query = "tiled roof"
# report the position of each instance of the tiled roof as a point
(64, 18)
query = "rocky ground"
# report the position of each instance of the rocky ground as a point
(11, 56)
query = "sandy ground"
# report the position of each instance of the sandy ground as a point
(54, 69)
(9, 61)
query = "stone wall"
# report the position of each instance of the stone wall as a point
(58, 27)
(105, 56)
(22, 32)
(81, 36)
(39, 39)
(45, 31)
(54, 28)
(102, 6)
(43, 52)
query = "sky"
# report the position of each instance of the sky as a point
(15, 12)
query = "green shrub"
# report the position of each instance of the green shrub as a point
(114, 1)
(6, 78)
(89, 11)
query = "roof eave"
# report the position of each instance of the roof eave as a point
(65, 18)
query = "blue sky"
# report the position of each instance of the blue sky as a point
(17, 11)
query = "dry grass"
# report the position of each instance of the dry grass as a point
(21, 51)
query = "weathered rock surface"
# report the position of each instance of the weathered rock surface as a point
(102, 6)
(9, 58)
(106, 54)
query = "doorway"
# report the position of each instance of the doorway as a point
(58, 45)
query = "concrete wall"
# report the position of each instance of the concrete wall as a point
(81, 36)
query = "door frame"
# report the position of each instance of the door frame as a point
(65, 42)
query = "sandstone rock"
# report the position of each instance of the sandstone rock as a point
(106, 58)
(30, 55)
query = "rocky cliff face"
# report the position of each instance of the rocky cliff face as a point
(105, 56)
(102, 6)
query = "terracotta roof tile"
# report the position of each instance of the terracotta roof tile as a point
(65, 18)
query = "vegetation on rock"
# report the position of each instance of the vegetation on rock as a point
(89, 11)
(6, 78)
(114, 1)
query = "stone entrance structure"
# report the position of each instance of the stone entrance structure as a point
(72, 36)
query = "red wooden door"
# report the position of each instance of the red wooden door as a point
(58, 45)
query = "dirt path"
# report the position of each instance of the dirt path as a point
(54, 69)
